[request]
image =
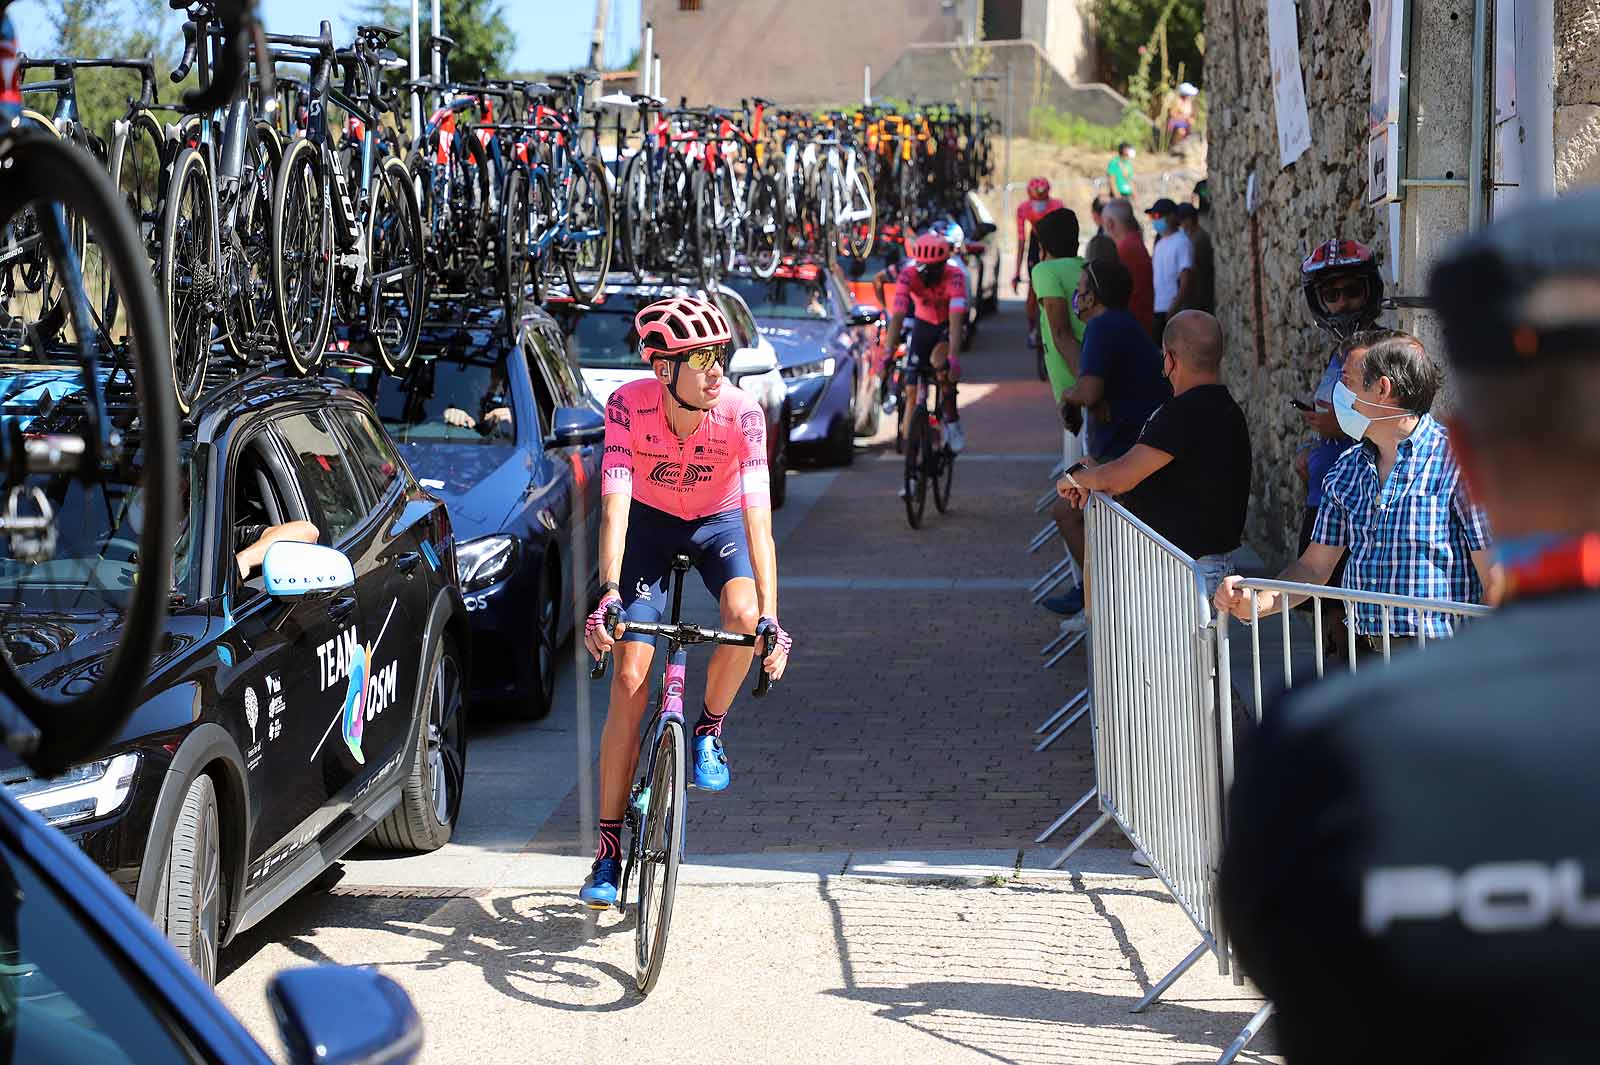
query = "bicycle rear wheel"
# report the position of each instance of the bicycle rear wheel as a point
(189, 281)
(513, 243)
(661, 850)
(302, 257)
(589, 232)
(399, 277)
(79, 621)
(916, 477)
(633, 209)
(765, 224)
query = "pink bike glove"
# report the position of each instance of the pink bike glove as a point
(597, 617)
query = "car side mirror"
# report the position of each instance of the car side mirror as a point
(341, 1015)
(747, 361)
(865, 314)
(983, 229)
(577, 426)
(293, 570)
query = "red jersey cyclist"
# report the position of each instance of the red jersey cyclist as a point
(1038, 204)
(935, 294)
(685, 471)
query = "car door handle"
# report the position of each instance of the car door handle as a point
(341, 608)
(407, 563)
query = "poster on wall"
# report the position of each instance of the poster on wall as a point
(1288, 86)
(1385, 35)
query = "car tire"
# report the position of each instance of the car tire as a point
(546, 648)
(842, 435)
(779, 472)
(189, 900)
(431, 798)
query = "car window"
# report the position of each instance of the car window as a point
(783, 297)
(260, 501)
(371, 448)
(65, 995)
(744, 327)
(452, 399)
(603, 339)
(325, 473)
(544, 396)
(552, 355)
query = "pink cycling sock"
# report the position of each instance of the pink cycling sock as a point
(709, 724)
(610, 842)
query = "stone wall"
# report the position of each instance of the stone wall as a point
(1281, 353)
(1577, 94)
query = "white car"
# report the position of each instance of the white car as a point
(602, 340)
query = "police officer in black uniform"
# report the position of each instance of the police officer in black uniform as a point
(1413, 868)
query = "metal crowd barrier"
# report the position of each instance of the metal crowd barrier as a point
(1161, 703)
(1387, 605)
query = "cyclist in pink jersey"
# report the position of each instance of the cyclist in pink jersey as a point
(935, 297)
(1038, 204)
(685, 472)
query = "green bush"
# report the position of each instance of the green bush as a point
(1124, 30)
(1077, 131)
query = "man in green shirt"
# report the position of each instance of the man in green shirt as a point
(1119, 172)
(1055, 279)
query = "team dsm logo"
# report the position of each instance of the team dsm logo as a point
(1494, 897)
(676, 474)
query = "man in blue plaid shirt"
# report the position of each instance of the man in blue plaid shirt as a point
(1397, 502)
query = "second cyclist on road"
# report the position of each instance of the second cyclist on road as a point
(935, 295)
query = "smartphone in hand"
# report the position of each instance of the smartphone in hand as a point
(1300, 405)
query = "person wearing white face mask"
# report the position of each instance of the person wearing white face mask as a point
(1396, 502)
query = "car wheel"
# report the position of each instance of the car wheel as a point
(546, 644)
(189, 900)
(842, 436)
(779, 470)
(431, 798)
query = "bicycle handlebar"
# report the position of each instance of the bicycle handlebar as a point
(687, 634)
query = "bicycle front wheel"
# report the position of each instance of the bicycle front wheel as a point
(399, 274)
(916, 478)
(82, 678)
(589, 232)
(659, 856)
(943, 474)
(189, 282)
(302, 257)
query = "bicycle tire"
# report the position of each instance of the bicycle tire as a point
(541, 215)
(704, 247)
(247, 320)
(916, 480)
(512, 245)
(765, 226)
(303, 301)
(588, 209)
(943, 476)
(45, 170)
(663, 847)
(412, 291)
(138, 162)
(634, 210)
(674, 214)
(188, 274)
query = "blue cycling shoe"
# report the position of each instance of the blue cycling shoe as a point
(600, 890)
(710, 764)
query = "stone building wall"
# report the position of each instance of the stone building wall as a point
(1577, 96)
(1280, 352)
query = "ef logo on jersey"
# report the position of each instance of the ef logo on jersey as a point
(751, 422)
(678, 476)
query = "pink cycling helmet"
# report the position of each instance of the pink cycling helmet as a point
(931, 248)
(1039, 188)
(680, 324)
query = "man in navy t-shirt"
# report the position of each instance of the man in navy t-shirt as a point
(1119, 385)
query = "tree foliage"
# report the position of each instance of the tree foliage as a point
(1123, 27)
(484, 41)
(93, 28)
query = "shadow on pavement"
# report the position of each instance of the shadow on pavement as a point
(526, 946)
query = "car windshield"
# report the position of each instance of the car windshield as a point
(452, 399)
(782, 297)
(603, 339)
(95, 560)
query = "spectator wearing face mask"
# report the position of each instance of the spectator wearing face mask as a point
(1119, 173)
(1172, 264)
(1122, 226)
(1201, 292)
(1396, 502)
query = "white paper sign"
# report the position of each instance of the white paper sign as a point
(1288, 85)
(1385, 35)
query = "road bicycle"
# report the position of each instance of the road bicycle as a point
(337, 252)
(656, 805)
(87, 419)
(656, 212)
(929, 460)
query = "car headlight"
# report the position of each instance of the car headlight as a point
(93, 789)
(817, 368)
(484, 561)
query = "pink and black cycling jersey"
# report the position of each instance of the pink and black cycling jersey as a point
(932, 303)
(721, 466)
(1029, 212)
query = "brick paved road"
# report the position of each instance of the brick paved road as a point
(906, 720)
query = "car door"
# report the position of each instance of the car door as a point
(269, 692)
(365, 676)
(571, 494)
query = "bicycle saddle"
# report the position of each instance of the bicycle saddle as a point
(441, 42)
(380, 35)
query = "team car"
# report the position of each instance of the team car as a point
(307, 693)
